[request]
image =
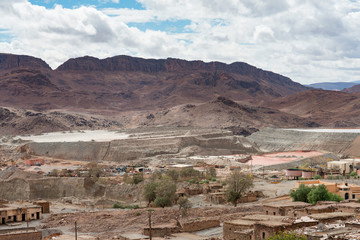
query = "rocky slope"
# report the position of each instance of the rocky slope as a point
(11, 61)
(219, 113)
(328, 108)
(15, 121)
(124, 83)
(353, 89)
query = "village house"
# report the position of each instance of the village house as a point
(19, 213)
(285, 209)
(255, 227)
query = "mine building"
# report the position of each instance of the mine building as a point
(19, 213)
(35, 162)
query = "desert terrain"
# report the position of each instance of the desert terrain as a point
(79, 137)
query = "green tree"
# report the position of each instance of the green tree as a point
(287, 236)
(188, 173)
(138, 178)
(165, 192)
(237, 184)
(321, 193)
(173, 174)
(149, 192)
(317, 177)
(211, 173)
(300, 194)
(184, 205)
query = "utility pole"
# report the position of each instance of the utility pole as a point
(150, 230)
(75, 230)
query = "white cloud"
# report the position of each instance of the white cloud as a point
(305, 40)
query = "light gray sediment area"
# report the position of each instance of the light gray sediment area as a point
(276, 139)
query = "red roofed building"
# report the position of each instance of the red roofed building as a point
(35, 162)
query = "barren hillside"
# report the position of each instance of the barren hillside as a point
(328, 108)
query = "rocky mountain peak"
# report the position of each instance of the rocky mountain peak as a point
(10, 61)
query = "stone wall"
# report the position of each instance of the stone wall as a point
(20, 234)
(199, 225)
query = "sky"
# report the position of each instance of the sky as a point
(307, 40)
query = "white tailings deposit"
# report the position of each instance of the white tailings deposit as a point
(76, 136)
(323, 130)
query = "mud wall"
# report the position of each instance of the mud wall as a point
(15, 189)
(50, 188)
(272, 140)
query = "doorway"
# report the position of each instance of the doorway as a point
(23, 217)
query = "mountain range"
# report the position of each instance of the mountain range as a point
(134, 92)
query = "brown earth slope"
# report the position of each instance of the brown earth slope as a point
(353, 89)
(220, 113)
(328, 108)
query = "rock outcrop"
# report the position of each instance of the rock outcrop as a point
(10, 61)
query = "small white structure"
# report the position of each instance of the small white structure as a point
(344, 166)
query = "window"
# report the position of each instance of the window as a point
(9, 217)
(263, 235)
(32, 215)
(274, 213)
(353, 196)
(267, 212)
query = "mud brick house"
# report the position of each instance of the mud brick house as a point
(19, 213)
(284, 209)
(45, 206)
(331, 217)
(256, 227)
(350, 207)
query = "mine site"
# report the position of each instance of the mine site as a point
(179, 119)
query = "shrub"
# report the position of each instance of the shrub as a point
(353, 174)
(121, 206)
(287, 236)
(317, 177)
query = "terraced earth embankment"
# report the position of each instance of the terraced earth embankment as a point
(148, 144)
(275, 139)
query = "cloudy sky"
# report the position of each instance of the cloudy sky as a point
(306, 40)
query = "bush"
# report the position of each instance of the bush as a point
(193, 181)
(138, 178)
(121, 206)
(204, 182)
(353, 174)
(317, 177)
(287, 236)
